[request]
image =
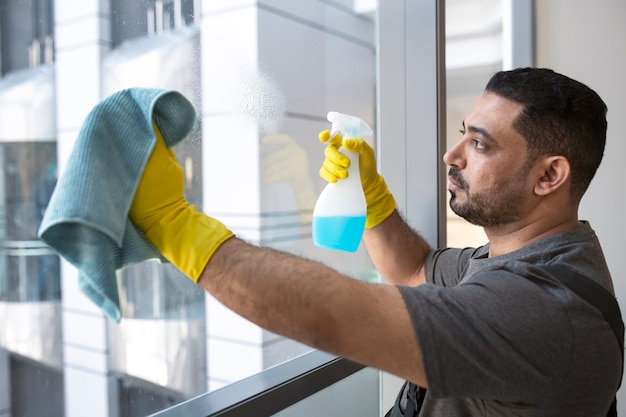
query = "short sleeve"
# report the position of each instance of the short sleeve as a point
(446, 267)
(493, 336)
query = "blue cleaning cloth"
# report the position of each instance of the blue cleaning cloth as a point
(86, 220)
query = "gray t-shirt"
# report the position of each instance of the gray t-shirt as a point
(501, 337)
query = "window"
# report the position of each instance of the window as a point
(262, 75)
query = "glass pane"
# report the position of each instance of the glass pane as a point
(30, 270)
(31, 357)
(262, 76)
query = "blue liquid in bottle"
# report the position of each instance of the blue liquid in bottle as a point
(338, 232)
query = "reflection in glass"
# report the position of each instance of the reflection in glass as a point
(30, 270)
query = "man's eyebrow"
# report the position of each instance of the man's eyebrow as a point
(479, 130)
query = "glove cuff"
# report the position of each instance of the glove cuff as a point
(188, 239)
(380, 204)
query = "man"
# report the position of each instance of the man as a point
(486, 330)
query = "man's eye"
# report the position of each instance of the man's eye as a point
(478, 144)
(462, 131)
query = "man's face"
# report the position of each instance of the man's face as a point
(489, 174)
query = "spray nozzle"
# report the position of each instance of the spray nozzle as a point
(348, 126)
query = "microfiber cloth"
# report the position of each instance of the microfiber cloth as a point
(86, 220)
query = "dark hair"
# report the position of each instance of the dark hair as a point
(561, 116)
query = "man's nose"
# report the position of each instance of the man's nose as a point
(454, 156)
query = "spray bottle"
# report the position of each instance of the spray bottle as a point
(339, 213)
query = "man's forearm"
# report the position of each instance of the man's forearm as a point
(397, 251)
(316, 305)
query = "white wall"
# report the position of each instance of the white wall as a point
(586, 40)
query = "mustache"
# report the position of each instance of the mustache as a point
(455, 174)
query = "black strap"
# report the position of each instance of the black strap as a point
(415, 399)
(601, 299)
(411, 404)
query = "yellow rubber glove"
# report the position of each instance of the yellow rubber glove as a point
(184, 236)
(380, 202)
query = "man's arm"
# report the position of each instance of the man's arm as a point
(397, 251)
(316, 305)
(301, 299)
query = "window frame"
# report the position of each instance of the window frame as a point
(270, 391)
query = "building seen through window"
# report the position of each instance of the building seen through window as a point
(262, 78)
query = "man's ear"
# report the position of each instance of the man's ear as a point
(555, 174)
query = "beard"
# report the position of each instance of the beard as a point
(493, 206)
